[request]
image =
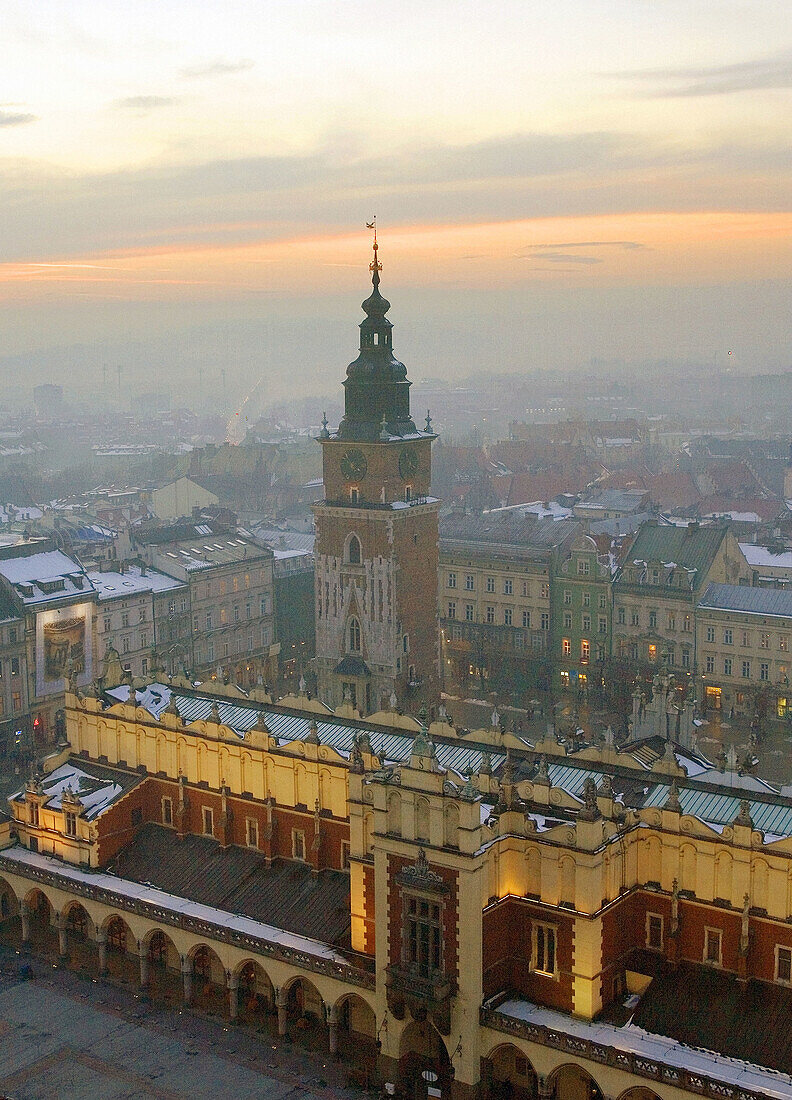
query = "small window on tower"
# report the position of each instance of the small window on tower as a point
(354, 550)
(354, 496)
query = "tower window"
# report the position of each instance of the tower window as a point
(354, 550)
(354, 496)
(354, 635)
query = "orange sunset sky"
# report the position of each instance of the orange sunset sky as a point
(609, 178)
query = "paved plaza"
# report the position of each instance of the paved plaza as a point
(67, 1037)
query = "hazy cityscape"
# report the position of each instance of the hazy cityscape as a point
(396, 612)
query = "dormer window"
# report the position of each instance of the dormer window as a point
(70, 823)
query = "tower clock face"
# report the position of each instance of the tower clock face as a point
(408, 463)
(353, 464)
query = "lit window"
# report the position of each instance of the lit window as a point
(566, 647)
(652, 652)
(424, 940)
(585, 650)
(544, 949)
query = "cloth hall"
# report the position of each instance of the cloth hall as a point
(458, 910)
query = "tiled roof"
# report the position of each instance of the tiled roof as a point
(507, 528)
(704, 1007)
(754, 601)
(287, 894)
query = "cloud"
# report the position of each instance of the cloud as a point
(774, 71)
(16, 118)
(566, 258)
(145, 102)
(217, 68)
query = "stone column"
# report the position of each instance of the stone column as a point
(144, 964)
(101, 942)
(63, 946)
(281, 1000)
(233, 997)
(545, 1089)
(24, 912)
(186, 967)
(332, 1029)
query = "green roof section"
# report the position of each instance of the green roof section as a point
(690, 547)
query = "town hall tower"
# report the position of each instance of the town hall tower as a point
(376, 535)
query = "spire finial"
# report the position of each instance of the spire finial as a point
(375, 266)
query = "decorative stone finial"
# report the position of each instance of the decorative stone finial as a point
(744, 816)
(542, 777)
(214, 713)
(590, 811)
(384, 433)
(302, 685)
(313, 733)
(324, 433)
(428, 422)
(672, 803)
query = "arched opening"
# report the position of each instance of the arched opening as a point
(354, 635)
(423, 1061)
(79, 928)
(121, 958)
(354, 551)
(256, 997)
(43, 934)
(209, 982)
(394, 814)
(10, 931)
(357, 1037)
(507, 1074)
(639, 1092)
(571, 1082)
(163, 968)
(305, 1011)
(422, 819)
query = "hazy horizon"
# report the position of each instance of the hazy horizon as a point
(186, 191)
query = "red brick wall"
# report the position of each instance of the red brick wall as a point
(450, 914)
(116, 829)
(507, 932)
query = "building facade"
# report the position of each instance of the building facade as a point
(581, 610)
(495, 580)
(422, 922)
(743, 640)
(656, 590)
(376, 534)
(230, 600)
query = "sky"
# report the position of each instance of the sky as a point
(184, 187)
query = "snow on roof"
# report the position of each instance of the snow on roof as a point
(53, 569)
(132, 582)
(659, 1048)
(95, 793)
(763, 555)
(149, 895)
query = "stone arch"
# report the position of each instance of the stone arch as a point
(687, 867)
(256, 991)
(353, 549)
(394, 814)
(451, 825)
(304, 1002)
(571, 1082)
(723, 875)
(638, 1092)
(508, 1074)
(121, 957)
(78, 921)
(9, 903)
(208, 978)
(355, 1032)
(40, 913)
(422, 1049)
(162, 963)
(761, 879)
(422, 818)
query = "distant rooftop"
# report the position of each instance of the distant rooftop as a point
(131, 582)
(46, 577)
(753, 601)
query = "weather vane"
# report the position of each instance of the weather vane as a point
(374, 265)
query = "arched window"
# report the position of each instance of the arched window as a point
(354, 550)
(354, 636)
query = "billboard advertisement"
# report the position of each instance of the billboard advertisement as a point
(63, 645)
